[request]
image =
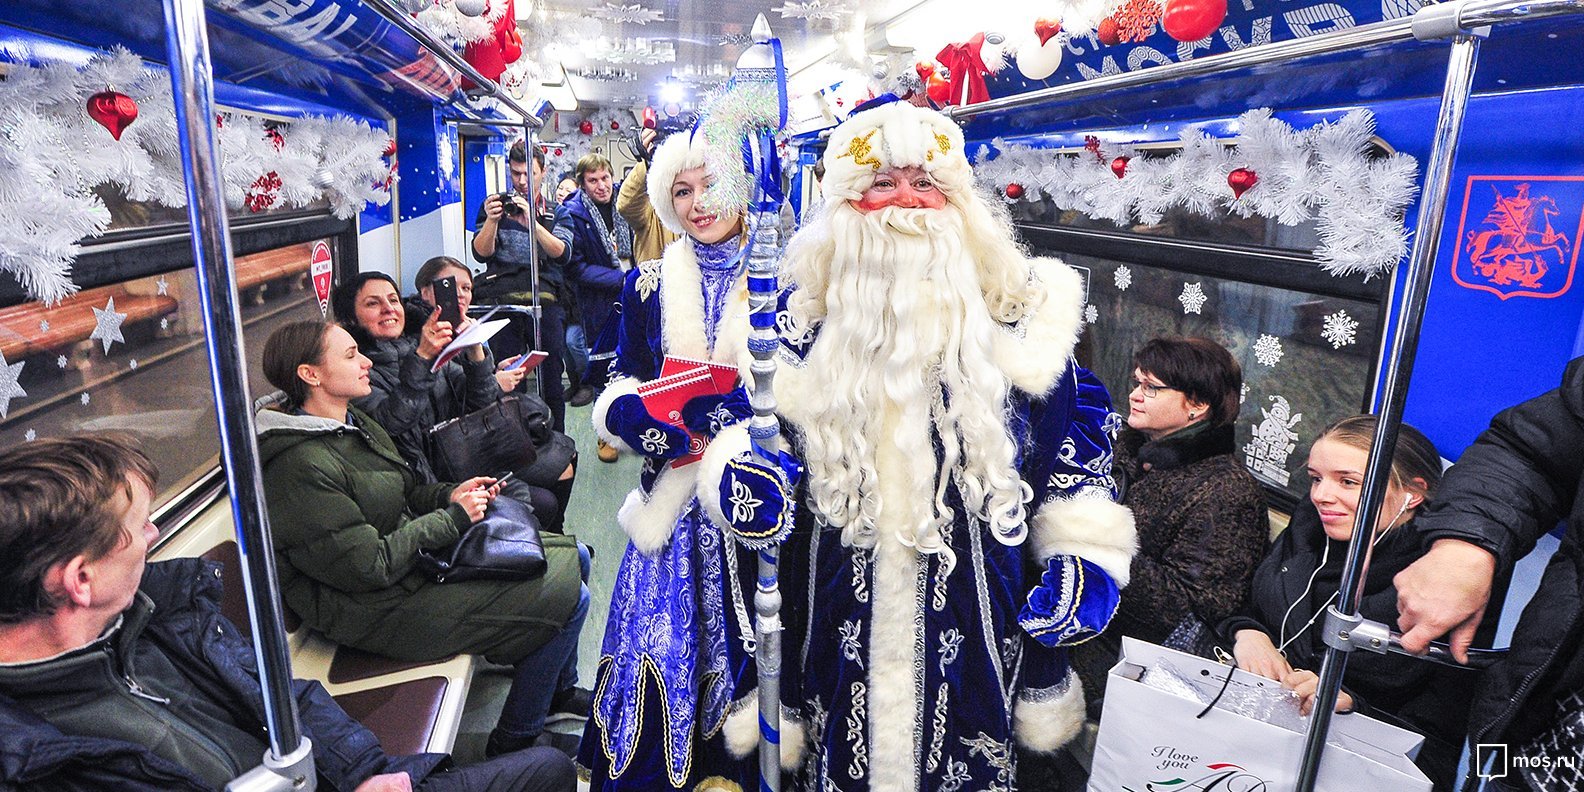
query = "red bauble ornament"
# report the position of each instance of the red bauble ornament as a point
(1014, 191)
(1109, 34)
(615, 125)
(511, 46)
(1193, 20)
(113, 110)
(925, 69)
(1241, 181)
(390, 148)
(558, 152)
(938, 89)
(1046, 28)
(587, 127)
(1119, 166)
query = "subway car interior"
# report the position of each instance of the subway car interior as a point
(1374, 206)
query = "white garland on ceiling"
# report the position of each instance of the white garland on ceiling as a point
(53, 156)
(633, 14)
(813, 9)
(448, 24)
(1323, 173)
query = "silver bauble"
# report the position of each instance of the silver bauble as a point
(323, 178)
(416, 6)
(471, 8)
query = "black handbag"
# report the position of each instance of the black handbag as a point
(486, 442)
(505, 545)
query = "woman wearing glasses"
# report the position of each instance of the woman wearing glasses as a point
(1201, 517)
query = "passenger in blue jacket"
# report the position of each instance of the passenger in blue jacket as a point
(599, 246)
(119, 675)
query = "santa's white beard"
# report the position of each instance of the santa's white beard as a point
(907, 336)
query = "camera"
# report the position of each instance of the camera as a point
(663, 129)
(509, 205)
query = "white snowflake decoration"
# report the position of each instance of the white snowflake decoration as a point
(812, 9)
(10, 387)
(132, 364)
(1091, 314)
(60, 360)
(1192, 298)
(30, 435)
(1340, 329)
(1268, 350)
(1124, 278)
(633, 14)
(107, 325)
(1243, 393)
(44, 325)
(85, 399)
(162, 285)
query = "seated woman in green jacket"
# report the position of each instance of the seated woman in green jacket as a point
(349, 517)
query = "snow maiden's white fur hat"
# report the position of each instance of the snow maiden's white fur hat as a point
(675, 154)
(894, 135)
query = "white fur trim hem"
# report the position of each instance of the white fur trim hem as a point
(742, 733)
(1047, 724)
(648, 518)
(602, 405)
(1089, 525)
(733, 440)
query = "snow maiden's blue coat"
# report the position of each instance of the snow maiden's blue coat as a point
(910, 678)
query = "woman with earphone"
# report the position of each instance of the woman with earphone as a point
(1278, 634)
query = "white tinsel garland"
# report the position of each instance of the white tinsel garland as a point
(446, 23)
(1324, 174)
(53, 156)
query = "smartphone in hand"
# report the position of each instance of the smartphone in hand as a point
(445, 296)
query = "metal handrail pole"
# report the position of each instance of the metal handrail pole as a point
(1475, 13)
(1461, 62)
(530, 147)
(400, 18)
(192, 82)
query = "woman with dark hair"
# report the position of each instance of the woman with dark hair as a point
(1201, 517)
(1277, 635)
(409, 399)
(349, 517)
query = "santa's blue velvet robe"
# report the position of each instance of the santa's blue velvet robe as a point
(971, 670)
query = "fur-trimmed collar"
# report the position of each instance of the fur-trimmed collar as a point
(682, 312)
(1180, 449)
(1034, 352)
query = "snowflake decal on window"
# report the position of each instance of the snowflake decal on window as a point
(1091, 314)
(1124, 277)
(1340, 329)
(85, 399)
(165, 323)
(1192, 298)
(44, 325)
(1243, 393)
(1268, 349)
(61, 361)
(30, 436)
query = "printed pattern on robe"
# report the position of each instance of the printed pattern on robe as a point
(666, 620)
(971, 658)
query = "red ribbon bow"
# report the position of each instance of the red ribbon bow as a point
(967, 68)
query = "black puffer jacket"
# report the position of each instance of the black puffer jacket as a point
(1416, 694)
(1521, 477)
(187, 624)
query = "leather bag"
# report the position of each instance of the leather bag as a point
(505, 545)
(486, 442)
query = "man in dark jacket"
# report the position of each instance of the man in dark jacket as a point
(503, 245)
(1520, 478)
(599, 249)
(119, 675)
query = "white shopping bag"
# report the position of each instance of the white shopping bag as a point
(1151, 739)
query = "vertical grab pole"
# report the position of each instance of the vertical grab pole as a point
(288, 764)
(1461, 62)
(531, 147)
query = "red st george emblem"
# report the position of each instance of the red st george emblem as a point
(1518, 235)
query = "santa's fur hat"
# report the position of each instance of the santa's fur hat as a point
(894, 135)
(679, 152)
